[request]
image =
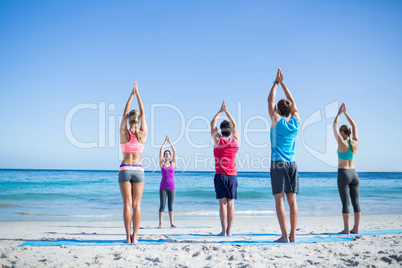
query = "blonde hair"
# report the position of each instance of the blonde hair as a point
(347, 130)
(134, 117)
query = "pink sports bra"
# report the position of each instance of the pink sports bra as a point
(133, 145)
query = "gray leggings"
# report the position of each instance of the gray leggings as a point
(348, 185)
(170, 197)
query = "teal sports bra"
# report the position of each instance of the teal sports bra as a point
(348, 155)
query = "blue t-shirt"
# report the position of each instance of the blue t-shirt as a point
(283, 139)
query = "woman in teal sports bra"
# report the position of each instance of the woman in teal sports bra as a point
(348, 180)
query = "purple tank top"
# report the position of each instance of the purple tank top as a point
(167, 182)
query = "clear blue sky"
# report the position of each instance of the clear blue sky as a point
(187, 56)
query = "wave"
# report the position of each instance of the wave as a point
(255, 212)
(34, 214)
(68, 215)
(216, 212)
(4, 205)
(318, 207)
(95, 216)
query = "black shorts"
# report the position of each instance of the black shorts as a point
(284, 177)
(225, 186)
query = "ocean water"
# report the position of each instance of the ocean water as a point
(71, 195)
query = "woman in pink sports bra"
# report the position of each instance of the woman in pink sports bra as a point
(131, 172)
(167, 189)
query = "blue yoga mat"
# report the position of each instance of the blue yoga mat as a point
(181, 227)
(196, 236)
(298, 241)
(69, 242)
(371, 232)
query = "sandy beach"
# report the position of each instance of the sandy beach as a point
(365, 251)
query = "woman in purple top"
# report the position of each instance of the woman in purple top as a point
(166, 189)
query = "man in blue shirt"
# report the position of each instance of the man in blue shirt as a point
(284, 175)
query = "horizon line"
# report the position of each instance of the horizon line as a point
(212, 171)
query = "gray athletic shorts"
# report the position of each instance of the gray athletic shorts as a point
(284, 177)
(131, 176)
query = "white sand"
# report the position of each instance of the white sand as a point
(365, 251)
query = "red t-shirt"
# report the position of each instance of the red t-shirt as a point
(225, 156)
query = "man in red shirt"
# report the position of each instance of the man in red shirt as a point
(225, 181)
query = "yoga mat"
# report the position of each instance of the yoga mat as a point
(372, 232)
(71, 242)
(299, 241)
(196, 236)
(181, 227)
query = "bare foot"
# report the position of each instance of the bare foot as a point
(134, 239)
(172, 225)
(128, 240)
(345, 231)
(228, 232)
(354, 231)
(292, 238)
(282, 239)
(160, 226)
(222, 233)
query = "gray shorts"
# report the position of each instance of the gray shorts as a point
(131, 176)
(284, 177)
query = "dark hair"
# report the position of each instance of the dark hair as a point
(285, 107)
(165, 152)
(346, 129)
(226, 128)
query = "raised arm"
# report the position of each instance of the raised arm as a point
(161, 152)
(235, 132)
(130, 99)
(144, 126)
(123, 124)
(214, 130)
(335, 127)
(295, 111)
(174, 152)
(352, 123)
(273, 114)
